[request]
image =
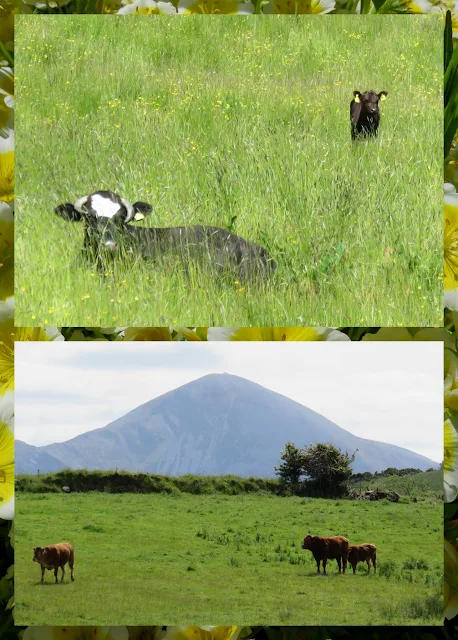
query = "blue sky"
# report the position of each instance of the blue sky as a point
(386, 391)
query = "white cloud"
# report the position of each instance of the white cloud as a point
(387, 391)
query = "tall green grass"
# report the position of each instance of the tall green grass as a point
(243, 124)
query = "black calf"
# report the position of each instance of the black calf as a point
(364, 113)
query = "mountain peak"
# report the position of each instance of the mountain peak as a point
(218, 424)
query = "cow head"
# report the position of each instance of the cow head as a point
(308, 542)
(369, 100)
(37, 551)
(105, 214)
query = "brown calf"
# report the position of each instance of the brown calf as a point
(53, 557)
(322, 548)
(365, 552)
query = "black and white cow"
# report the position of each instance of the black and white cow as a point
(108, 232)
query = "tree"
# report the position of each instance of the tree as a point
(327, 467)
(292, 468)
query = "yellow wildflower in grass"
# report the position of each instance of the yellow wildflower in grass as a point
(202, 633)
(450, 459)
(451, 580)
(215, 7)
(147, 333)
(6, 456)
(285, 334)
(76, 633)
(299, 6)
(8, 335)
(450, 247)
(148, 7)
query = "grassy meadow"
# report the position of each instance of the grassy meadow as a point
(241, 123)
(197, 559)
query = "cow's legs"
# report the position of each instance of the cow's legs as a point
(324, 565)
(71, 571)
(354, 568)
(368, 565)
(63, 572)
(374, 564)
(318, 566)
(43, 569)
(344, 564)
(55, 573)
(340, 568)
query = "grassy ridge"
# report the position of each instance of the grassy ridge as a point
(126, 482)
(255, 137)
(195, 559)
(418, 486)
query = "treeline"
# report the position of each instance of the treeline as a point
(127, 482)
(391, 471)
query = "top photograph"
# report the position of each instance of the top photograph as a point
(232, 171)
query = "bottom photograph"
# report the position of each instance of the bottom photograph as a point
(183, 482)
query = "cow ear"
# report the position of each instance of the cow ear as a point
(357, 96)
(142, 209)
(382, 95)
(68, 212)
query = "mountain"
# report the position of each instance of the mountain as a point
(218, 424)
(34, 458)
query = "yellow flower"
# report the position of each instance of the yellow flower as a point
(450, 248)
(215, 6)
(451, 383)
(192, 335)
(76, 633)
(6, 456)
(450, 460)
(8, 335)
(7, 169)
(202, 633)
(275, 333)
(451, 580)
(299, 6)
(147, 333)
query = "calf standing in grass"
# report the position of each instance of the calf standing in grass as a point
(364, 113)
(335, 547)
(365, 552)
(53, 557)
(108, 232)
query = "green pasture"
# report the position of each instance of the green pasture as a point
(198, 559)
(242, 123)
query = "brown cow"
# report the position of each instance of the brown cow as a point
(335, 547)
(53, 557)
(365, 552)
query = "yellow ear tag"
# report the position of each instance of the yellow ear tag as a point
(383, 97)
(356, 99)
(139, 216)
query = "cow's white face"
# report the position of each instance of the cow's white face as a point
(105, 214)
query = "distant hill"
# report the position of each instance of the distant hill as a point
(218, 424)
(33, 458)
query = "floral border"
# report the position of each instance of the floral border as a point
(10, 334)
